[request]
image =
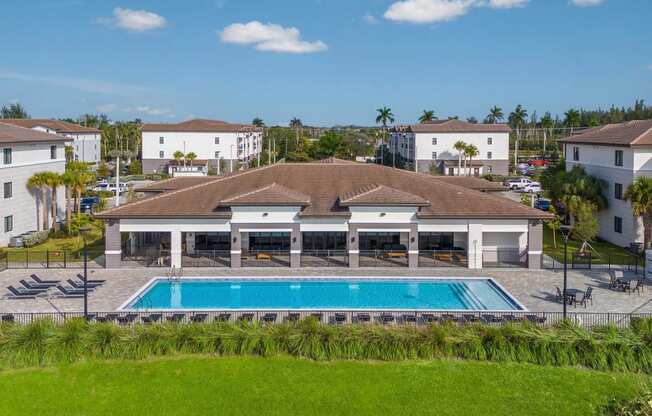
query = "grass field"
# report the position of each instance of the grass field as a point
(605, 249)
(285, 386)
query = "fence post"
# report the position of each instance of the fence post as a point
(47, 259)
(64, 259)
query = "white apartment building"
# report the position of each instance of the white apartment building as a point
(617, 154)
(210, 140)
(87, 141)
(432, 144)
(25, 152)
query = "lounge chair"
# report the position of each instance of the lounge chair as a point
(43, 282)
(410, 318)
(223, 317)
(293, 316)
(428, 317)
(67, 292)
(7, 318)
(246, 317)
(363, 317)
(339, 318)
(127, 319)
(469, 317)
(151, 318)
(490, 319)
(36, 286)
(386, 318)
(109, 317)
(535, 319)
(199, 317)
(81, 278)
(80, 285)
(176, 317)
(317, 315)
(269, 317)
(22, 293)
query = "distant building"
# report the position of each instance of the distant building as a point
(431, 144)
(24, 152)
(617, 154)
(87, 141)
(210, 140)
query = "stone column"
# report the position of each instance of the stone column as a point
(175, 249)
(413, 246)
(353, 246)
(113, 245)
(535, 244)
(475, 245)
(236, 247)
(295, 246)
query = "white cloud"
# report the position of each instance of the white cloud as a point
(370, 19)
(106, 108)
(586, 3)
(270, 38)
(150, 111)
(134, 20)
(506, 4)
(82, 84)
(427, 11)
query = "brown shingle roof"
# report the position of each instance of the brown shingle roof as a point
(630, 133)
(56, 125)
(11, 134)
(374, 194)
(270, 195)
(174, 184)
(457, 126)
(199, 125)
(472, 182)
(323, 184)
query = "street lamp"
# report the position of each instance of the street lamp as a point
(565, 230)
(84, 230)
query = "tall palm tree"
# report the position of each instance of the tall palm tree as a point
(495, 115)
(471, 151)
(547, 123)
(426, 116)
(460, 146)
(296, 124)
(384, 116)
(517, 120)
(38, 182)
(53, 181)
(258, 122)
(191, 156)
(572, 119)
(68, 180)
(178, 155)
(639, 194)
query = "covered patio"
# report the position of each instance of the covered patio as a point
(324, 249)
(266, 249)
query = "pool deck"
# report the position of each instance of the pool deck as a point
(533, 288)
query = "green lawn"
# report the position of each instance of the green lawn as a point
(287, 386)
(606, 250)
(71, 244)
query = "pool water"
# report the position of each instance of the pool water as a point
(323, 294)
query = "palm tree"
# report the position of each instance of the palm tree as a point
(178, 155)
(258, 122)
(384, 117)
(191, 156)
(426, 116)
(572, 119)
(460, 146)
(53, 181)
(296, 124)
(495, 115)
(547, 123)
(471, 151)
(516, 121)
(639, 193)
(38, 181)
(68, 180)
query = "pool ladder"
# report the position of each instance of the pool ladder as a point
(174, 273)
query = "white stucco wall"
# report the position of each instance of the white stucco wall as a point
(231, 145)
(445, 151)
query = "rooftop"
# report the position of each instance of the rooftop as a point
(56, 125)
(10, 133)
(453, 126)
(322, 190)
(630, 133)
(200, 125)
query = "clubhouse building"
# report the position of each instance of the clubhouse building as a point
(328, 213)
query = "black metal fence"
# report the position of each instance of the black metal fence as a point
(632, 263)
(324, 258)
(443, 258)
(50, 259)
(383, 258)
(206, 258)
(404, 317)
(266, 258)
(504, 258)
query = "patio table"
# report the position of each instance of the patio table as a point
(571, 294)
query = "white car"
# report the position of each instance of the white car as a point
(534, 187)
(520, 183)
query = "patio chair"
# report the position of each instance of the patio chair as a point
(559, 297)
(339, 318)
(293, 317)
(246, 317)
(7, 318)
(127, 319)
(410, 318)
(386, 318)
(363, 317)
(634, 286)
(223, 317)
(317, 315)
(468, 317)
(176, 317)
(269, 317)
(428, 318)
(615, 278)
(198, 317)
(109, 317)
(535, 319)
(588, 296)
(490, 319)
(151, 318)
(43, 282)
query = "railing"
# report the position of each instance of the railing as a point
(147, 256)
(504, 258)
(383, 258)
(443, 258)
(207, 258)
(394, 317)
(265, 258)
(50, 259)
(632, 263)
(324, 258)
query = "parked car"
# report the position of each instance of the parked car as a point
(87, 204)
(542, 203)
(520, 183)
(101, 186)
(534, 187)
(122, 185)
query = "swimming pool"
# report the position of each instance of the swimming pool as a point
(454, 294)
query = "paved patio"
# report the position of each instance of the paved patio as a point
(534, 289)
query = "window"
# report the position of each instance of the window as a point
(434, 141)
(9, 223)
(53, 152)
(618, 158)
(489, 169)
(489, 155)
(490, 140)
(618, 190)
(576, 153)
(6, 156)
(434, 155)
(8, 190)
(217, 155)
(217, 140)
(161, 154)
(618, 225)
(161, 140)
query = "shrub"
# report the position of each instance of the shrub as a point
(36, 238)
(640, 406)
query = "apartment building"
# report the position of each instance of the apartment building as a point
(86, 143)
(617, 154)
(431, 144)
(211, 140)
(25, 152)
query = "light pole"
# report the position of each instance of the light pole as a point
(83, 230)
(566, 232)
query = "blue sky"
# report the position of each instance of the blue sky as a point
(324, 61)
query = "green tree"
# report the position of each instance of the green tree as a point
(330, 144)
(426, 116)
(460, 146)
(178, 156)
(53, 181)
(471, 151)
(586, 226)
(384, 116)
(639, 194)
(191, 156)
(258, 122)
(547, 123)
(517, 120)
(38, 182)
(14, 110)
(554, 224)
(495, 115)
(572, 119)
(103, 170)
(135, 168)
